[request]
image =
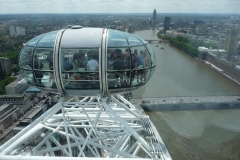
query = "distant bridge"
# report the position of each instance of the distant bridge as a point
(192, 99)
(154, 40)
(188, 103)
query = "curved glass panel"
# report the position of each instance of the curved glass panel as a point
(119, 79)
(45, 79)
(133, 40)
(147, 59)
(118, 66)
(28, 76)
(34, 41)
(152, 71)
(44, 58)
(26, 57)
(140, 62)
(152, 55)
(142, 57)
(48, 39)
(80, 68)
(143, 41)
(38, 75)
(146, 75)
(116, 39)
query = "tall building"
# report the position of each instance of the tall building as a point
(12, 31)
(231, 41)
(5, 65)
(130, 28)
(154, 18)
(20, 31)
(166, 24)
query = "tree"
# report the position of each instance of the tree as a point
(4, 83)
(15, 69)
(3, 75)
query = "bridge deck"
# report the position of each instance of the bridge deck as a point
(184, 100)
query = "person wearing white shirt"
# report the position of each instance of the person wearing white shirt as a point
(92, 65)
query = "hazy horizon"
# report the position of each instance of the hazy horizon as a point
(144, 14)
(119, 6)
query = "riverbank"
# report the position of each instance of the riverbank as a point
(190, 47)
(220, 71)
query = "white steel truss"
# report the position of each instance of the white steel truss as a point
(88, 127)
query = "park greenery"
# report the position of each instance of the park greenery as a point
(4, 82)
(12, 55)
(4, 78)
(188, 46)
(11, 52)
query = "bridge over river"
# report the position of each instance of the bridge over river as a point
(188, 103)
(158, 41)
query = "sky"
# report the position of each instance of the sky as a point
(119, 6)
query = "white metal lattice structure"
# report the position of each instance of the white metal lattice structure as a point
(88, 127)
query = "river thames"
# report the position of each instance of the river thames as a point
(191, 134)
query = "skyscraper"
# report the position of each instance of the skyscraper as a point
(154, 18)
(166, 24)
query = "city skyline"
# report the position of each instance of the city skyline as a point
(112, 6)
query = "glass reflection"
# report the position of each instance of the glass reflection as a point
(119, 79)
(140, 65)
(45, 79)
(133, 40)
(152, 71)
(142, 56)
(152, 55)
(26, 59)
(116, 39)
(147, 75)
(33, 42)
(28, 76)
(43, 59)
(48, 40)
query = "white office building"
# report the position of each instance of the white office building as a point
(20, 31)
(12, 31)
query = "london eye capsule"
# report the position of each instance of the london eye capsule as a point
(87, 61)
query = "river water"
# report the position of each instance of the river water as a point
(178, 74)
(195, 134)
